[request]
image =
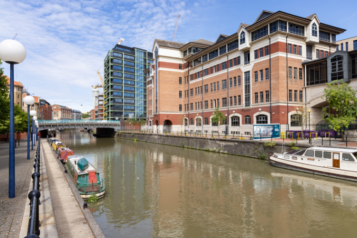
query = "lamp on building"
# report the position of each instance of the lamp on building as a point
(29, 101)
(260, 109)
(32, 113)
(12, 52)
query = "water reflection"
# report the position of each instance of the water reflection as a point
(163, 191)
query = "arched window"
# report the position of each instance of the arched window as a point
(206, 121)
(198, 122)
(186, 121)
(149, 123)
(242, 37)
(295, 120)
(262, 119)
(314, 29)
(247, 120)
(213, 123)
(191, 121)
(235, 121)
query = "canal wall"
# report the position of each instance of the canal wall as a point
(249, 148)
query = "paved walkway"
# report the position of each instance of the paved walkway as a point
(12, 209)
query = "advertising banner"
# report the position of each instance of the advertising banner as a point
(266, 131)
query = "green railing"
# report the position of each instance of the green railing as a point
(91, 188)
(76, 121)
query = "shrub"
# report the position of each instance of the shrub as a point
(93, 198)
(295, 148)
(292, 144)
(219, 149)
(261, 155)
(183, 144)
(269, 144)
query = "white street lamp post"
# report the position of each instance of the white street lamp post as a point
(32, 113)
(29, 101)
(12, 52)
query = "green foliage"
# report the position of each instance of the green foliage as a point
(269, 144)
(142, 122)
(261, 155)
(183, 144)
(93, 198)
(219, 149)
(85, 115)
(295, 148)
(207, 149)
(218, 117)
(291, 144)
(342, 105)
(135, 140)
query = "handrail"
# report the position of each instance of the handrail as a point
(33, 229)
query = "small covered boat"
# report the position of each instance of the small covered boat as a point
(63, 153)
(331, 162)
(85, 177)
(57, 144)
(51, 140)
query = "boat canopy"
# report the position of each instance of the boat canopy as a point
(82, 164)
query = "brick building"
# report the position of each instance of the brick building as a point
(45, 110)
(254, 76)
(18, 90)
(61, 112)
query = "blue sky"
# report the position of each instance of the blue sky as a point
(67, 41)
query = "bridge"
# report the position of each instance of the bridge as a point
(102, 126)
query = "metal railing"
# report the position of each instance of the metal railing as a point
(76, 121)
(33, 229)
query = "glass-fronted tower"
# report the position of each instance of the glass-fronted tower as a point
(124, 83)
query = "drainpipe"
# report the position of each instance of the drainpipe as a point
(270, 76)
(188, 86)
(202, 101)
(227, 82)
(287, 83)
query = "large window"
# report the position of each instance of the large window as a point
(224, 84)
(277, 26)
(247, 120)
(242, 37)
(198, 122)
(224, 65)
(224, 102)
(233, 45)
(235, 121)
(267, 98)
(316, 73)
(222, 50)
(256, 97)
(246, 57)
(267, 73)
(206, 121)
(314, 29)
(337, 67)
(259, 33)
(213, 54)
(355, 45)
(354, 66)
(247, 88)
(262, 119)
(296, 29)
(324, 36)
(295, 120)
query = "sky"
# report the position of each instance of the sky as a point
(67, 41)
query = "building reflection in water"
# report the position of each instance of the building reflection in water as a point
(163, 191)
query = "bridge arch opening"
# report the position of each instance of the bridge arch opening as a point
(167, 126)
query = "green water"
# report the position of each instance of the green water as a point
(163, 191)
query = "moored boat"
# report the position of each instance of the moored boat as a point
(57, 144)
(63, 153)
(85, 177)
(331, 162)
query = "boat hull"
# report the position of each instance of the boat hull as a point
(312, 169)
(99, 195)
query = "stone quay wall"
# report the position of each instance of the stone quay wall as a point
(249, 148)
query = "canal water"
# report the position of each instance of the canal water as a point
(164, 191)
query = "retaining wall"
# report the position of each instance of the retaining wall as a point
(230, 146)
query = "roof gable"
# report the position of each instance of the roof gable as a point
(221, 37)
(263, 14)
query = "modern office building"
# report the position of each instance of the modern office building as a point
(255, 76)
(124, 83)
(98, 104)
(348, 44)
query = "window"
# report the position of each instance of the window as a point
(255, 54)
(180, 107)
(204, 58)
(337, 68)
(217, 68)
(191, 92)
(290, 95)
(346, 46)
(185, 108)
(230, 83)
(206, 121)
(195, 91)
(238, 60)
(247, 120)
(347, 157)
(213, 54)
(354, 66)
(290, 69)
(355, 45)
(239, 81)
(277, 26)
(309, 52)
(247, 88)
(267, 73)
(230, 101)
(295, 73)
(206, 88)
(191, 121)
(233, 45)
(235, 121)
(211, 103)
(295, 120)
(266, 50)
(296, 29)
(217, 102)
(321, 53)
(262, 119)
(267, 99)
(261, 52)
(224, 102)
(256, 97)
(300, 96)
(235, 100)
(235, 82)
(224, 65)
(206, 72)
(222, 50)
(180, 94)
(261, 75)
(324, 36)
(206, 104)
(217, 86)
(246, 57)
(295, 96)
(327, 155)
(239, 100)
(309, 153)
(295, 49)
(256, 76)
(214, 86)
(341, 46)
(198, 121)
(180, 80)
(316, 73)
(289, 48)
(314, 29)
(259, 33)
(318, 153)
(224, 84)
(300, 73)
(300, 50)
(242, 37)
(195, 105)
(261, 96)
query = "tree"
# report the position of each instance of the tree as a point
(4, 102)
(218, 117)
(342, 105)
(85, 115)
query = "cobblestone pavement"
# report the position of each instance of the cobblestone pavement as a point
(12, 209)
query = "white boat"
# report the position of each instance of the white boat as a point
(332, 162)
